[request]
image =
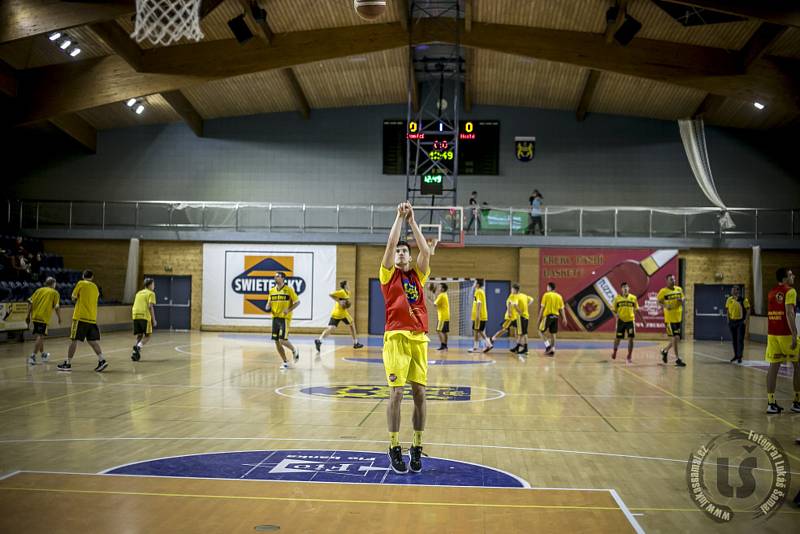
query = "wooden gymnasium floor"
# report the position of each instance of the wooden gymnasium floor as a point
(578, 422)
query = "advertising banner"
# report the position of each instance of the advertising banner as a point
(237, 279)
(589, 279)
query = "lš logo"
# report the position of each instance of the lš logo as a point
(258, 277)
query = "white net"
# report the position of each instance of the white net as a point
(163, 22)
(459, 292)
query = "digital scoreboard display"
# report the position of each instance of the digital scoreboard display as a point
(478, 145)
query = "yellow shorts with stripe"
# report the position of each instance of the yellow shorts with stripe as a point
(508, 323)
(405, 360)
(779, 349)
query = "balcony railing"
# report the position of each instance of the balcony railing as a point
(577, 221)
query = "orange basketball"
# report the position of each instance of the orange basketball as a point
(369, 9)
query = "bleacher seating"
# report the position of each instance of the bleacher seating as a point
(14, 288)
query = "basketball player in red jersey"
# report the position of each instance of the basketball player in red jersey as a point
(782, 337)
(405, 343)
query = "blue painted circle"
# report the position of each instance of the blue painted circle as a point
(350, 467)
(430, 362)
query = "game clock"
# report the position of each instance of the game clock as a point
(478, 145)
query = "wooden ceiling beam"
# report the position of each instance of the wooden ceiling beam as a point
(402, 8)
(587, 93)
(469, 66)
(20, 19)
(299, 95)
(178, 102)
(709, 104)
(64, 88)
(712, 70)
(25, 18)
(111, 33)
(783, 12)
(9, 83)
(78, 129)
(468, 15)
(766, 34)
(261, 27)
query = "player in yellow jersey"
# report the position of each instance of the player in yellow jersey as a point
(626, 309)
(479, 316)
(282, 301)
(442, 303)
(342, 299)
(511, 319)
(523, 304)
(737, 307)
(84, 322)
(143, 314)
(671, 298)
(551, 307)
(43, 303)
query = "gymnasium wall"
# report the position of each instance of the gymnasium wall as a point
(335, 157)
(359, 263)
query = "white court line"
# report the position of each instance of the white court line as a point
(85, 355)
(9, 475)
(632, 520)
(338, 440)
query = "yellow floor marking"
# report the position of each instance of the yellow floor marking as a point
(308, 499)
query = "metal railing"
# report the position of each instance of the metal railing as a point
(577, 221)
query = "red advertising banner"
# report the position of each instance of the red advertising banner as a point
(589, 279)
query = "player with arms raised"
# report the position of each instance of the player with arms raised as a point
(405, 343)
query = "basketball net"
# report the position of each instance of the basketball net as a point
(164, 22)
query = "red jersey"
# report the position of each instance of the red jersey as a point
(405, 299)
(780, 295)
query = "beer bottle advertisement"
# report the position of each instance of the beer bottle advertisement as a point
(589, 279)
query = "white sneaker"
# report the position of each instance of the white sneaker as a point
(285, 366)
(296, 355)
(32, 359)
(45, 356)
(474, 349)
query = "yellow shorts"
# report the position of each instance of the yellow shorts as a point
(508, 323)
(405, 360)
(779, 349)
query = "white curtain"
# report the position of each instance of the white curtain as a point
(132, 273)
(694, 143)
(758, 289)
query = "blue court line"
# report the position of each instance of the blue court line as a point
(463, 343)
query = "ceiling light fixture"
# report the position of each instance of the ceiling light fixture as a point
(139, 109)
(759, 105)
(74, 52)
(64, 45)
(54, 36)
(130, 102)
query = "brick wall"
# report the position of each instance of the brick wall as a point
(108, 259)
(714, 267)
(176, 258)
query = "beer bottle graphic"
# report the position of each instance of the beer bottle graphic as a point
(591, 307)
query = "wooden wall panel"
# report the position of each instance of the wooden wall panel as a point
(108, 259)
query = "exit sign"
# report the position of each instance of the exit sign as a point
(431, 184)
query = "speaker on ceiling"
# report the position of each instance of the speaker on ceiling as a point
(240, 30)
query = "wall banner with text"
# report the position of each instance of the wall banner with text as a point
(237, 279)
(589, 279)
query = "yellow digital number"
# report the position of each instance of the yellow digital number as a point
(412, 126)
(468, 127)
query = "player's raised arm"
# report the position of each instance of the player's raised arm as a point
(424, 257)
(394, 236)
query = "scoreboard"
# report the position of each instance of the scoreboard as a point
(478, 145)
